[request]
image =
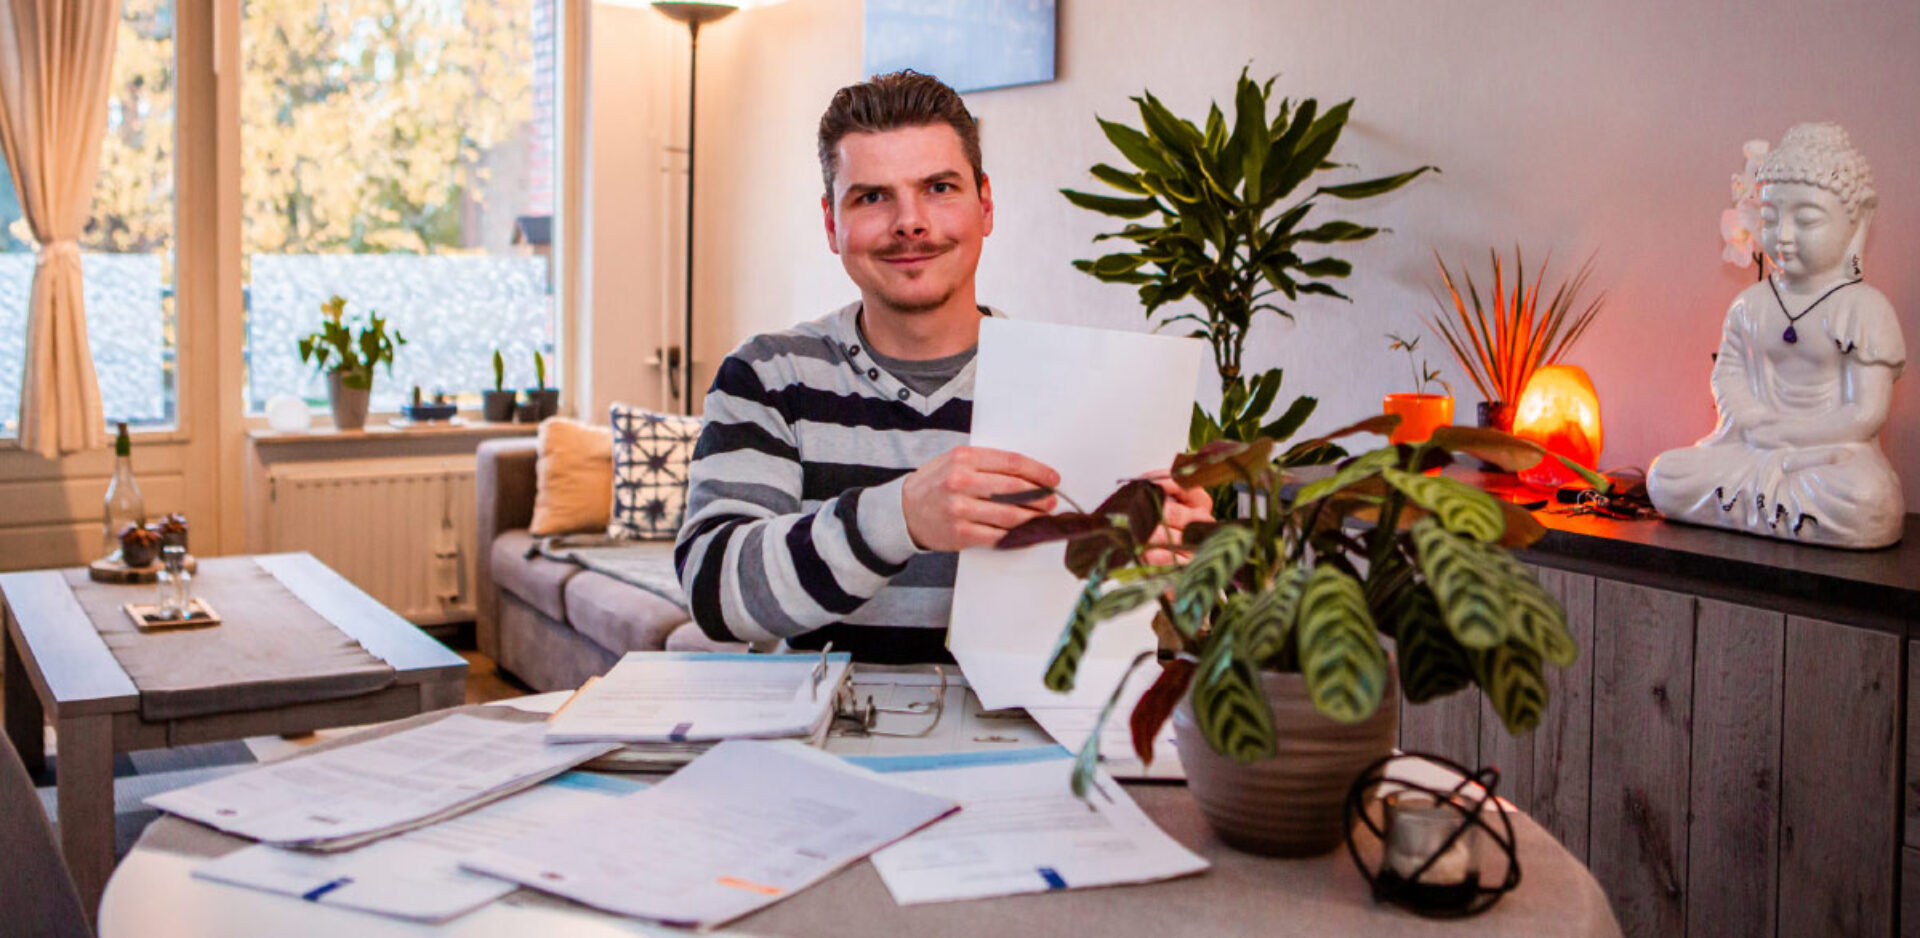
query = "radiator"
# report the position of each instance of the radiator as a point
(400, 529)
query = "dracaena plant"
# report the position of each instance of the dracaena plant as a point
(1215, 214)
(1311, 580)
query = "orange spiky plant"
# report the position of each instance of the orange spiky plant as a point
(1500, 349)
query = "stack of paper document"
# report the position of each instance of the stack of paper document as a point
(742, 827)
(417, 875)
(666, 708)
(1021, 830)
(357, 793)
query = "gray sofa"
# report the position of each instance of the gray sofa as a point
(550, 623)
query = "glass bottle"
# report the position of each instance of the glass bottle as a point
(124, 504)
(175, 584)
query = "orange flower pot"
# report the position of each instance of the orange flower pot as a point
(1420, 415)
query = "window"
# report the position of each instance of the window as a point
(401, 155)
(127, 244)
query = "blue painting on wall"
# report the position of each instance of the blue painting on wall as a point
(969, 44)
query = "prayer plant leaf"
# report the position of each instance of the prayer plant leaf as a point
(1087, 763)
(1461, 508)
(1522, 529)
(1361, 467)
(1345, 667)
(1432, 664)
(1209, 571)
(1505, 450)
(1230, 708)
(1534, 618)
(1064, 665)
(1268, 624)
(1100, 549)
(1466, 585)
(1134, 508)
(1514, 684)
(1157, 704)
(1047, 528)
(1221, 462)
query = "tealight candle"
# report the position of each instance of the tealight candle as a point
(1417, 824)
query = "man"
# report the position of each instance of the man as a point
(832, 485)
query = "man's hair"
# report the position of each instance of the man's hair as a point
(892, 101)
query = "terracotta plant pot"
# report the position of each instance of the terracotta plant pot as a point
(349, 404)
(1289, 805)
(1420, 415)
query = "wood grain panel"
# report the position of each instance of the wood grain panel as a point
(1733, 847)
(1562, 779)
(61, 501)
(1910, 892)
(149, 455)
(1449, 726)
(1642, 701)
(40, 547)
(1912, 799)
(1839, 804)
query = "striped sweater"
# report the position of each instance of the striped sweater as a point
(794, 526)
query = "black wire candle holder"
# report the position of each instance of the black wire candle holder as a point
(1422, 890)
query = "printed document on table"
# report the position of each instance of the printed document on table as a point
(742, 827)
(1021, 830)
(344, 796)
(657, 696)
(417, 875)
(1098, 406)
(1070, 727)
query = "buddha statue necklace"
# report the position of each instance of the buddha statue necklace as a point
(1791, 336)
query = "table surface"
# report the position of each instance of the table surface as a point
(74, 673)
(154, 894)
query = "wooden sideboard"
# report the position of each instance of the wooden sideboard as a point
(1735, 751)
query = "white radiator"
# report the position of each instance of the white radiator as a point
(400, 529)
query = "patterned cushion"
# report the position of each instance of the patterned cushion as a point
(650, 456)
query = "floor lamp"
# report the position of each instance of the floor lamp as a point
(692, 14)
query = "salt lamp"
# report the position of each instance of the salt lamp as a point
(1559, 410)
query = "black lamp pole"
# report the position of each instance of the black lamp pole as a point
(692, 14)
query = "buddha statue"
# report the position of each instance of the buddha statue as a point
(1808, 357)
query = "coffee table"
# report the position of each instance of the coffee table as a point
(58, 668)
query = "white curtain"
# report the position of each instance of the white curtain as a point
(56, 61)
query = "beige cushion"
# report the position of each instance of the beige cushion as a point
(574, 491)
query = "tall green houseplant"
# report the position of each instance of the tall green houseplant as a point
(1214, 214)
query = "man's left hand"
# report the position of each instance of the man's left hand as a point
(1183, 506)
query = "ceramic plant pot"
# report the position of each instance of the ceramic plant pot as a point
(1288, 805)
(1420, 415)
(548, 400)
(349, 404)
(497, 406)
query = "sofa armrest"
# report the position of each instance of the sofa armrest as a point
(504, 482)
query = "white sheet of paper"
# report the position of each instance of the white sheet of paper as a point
(379, 785)
(742, 827)
(1021, 830)
(1098, 406)
(658, 696)
(417, 875)
(1070, 727)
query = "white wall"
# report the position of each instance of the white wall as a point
(1570, 126)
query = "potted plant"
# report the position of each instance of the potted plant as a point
(1420, 413)
(1500, 350)
(1273, 665)
(139, 545)
(497, 405)
(1214, 216)
(544, 401)
(348, 358)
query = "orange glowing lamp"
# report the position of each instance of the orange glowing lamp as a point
(1559, 410)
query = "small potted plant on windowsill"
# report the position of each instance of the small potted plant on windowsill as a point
(1270, 624)
(347, 358)
(497, 405)
(542, 401)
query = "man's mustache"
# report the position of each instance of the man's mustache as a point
(916, 250)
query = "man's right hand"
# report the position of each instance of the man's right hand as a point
(947, 500)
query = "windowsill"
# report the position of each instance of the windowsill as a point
(380, 429)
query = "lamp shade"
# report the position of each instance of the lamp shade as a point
(1559, 410)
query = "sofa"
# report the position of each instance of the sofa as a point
(551, 623)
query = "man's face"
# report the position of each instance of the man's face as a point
(906, 218)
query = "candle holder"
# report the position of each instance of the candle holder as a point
(1432, 840)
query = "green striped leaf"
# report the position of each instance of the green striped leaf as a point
(1512, 680)
(1461, 508)
(1207, 574)
(1432, 664)
(1268, 625)
(1227, 703)
(1345, 668)
(1534, 617)
(1365, 465)
(1088, 759)
(1466, 584)
(1072, 645)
